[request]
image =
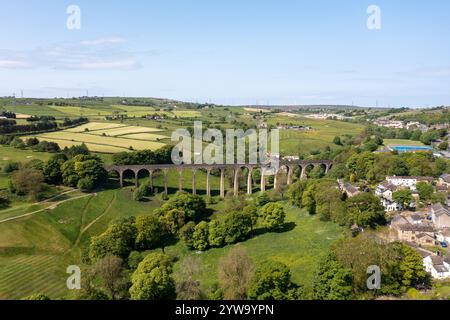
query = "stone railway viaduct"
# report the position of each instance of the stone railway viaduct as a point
(287, 166)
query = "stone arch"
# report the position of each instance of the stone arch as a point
(116, 175)
(307, 168)
(142, 173)
(281, 177)
(128, 174)
(240, 178)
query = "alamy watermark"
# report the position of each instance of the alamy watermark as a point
(230, 149)
(73, 282)
(374, 279)
(374, 19)
(74, 19)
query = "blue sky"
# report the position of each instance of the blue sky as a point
(230, 52)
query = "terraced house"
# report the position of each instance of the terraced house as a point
(440, 216)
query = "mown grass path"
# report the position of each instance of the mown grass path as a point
(52, 206)
(82, 231)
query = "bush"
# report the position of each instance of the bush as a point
(86, 184)
(142, 191)
(272, 281)
(262, 199)
(273, 216)
(32, 142)
(27, 182)
(152, 279)
(35, 164)
(238, 226)
(37, 296)
(200, 236)
(186, 232)
(4, 200)
(17, 143)
(11, 167)
(45, 146)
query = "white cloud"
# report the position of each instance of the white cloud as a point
(98, 54)
(103, 41)
(107, 65)
(14, 64)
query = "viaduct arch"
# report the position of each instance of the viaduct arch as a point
(288, 166)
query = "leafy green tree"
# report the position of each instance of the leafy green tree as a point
(149, 232)
(251, 211)
(134, 258)
(141, 192)
(428, 137)
(262, 199)
(441, 166)
(332, 281)
(361, 164)
(4, 199)
(118, 240)
(217, 232)
(86, 183)
(412, 269)
(365, 210)
(403, 196)
(370, 146)
(238, 226)
(338, 171)
(328, 200)
(200, 236)
(399, 167)
(193, 206)
(419, 164)
(32, 142)
(308, 200)
(295, 192)
(272, 281)
(172, 221)
(273, 216)
(425, 190)
(152, 279)
(186, 232)
(52, 169)
(11, 167)
(81, 167)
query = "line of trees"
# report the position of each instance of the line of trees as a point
(38, 124)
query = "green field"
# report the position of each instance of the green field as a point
(294, 142)
(11, 154)
(402, 142)
(105, 137)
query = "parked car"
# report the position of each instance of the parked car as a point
(443, 245)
